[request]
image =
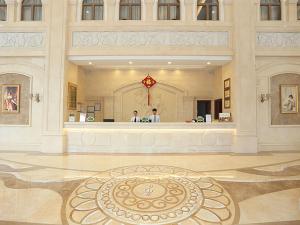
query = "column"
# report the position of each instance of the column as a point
(190, 10)
(112, 11)
(225, 10)
(53, 140)
(74, 11)
(244, 36)
(284, 10)
(11, 10)
(292, 10)
(148, 10)
(18, 10)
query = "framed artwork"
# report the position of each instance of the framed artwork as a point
(72, 96)
(98, 107)
(90, 117)
(10, 98)
(227, 83)
(91, 109)
(227, 93)
(289, 99)
(227, 104)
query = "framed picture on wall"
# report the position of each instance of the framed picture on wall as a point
(227, 93)
(91, 109)
(289, 99)
(98, 107)
(227, 84)
(227, 104)
(10, 98)
(72, 96)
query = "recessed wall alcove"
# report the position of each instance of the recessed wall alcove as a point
(167, 98)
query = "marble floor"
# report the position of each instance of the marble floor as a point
(171, 189)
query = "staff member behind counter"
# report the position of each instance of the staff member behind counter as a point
(154, 118)
(135, 118)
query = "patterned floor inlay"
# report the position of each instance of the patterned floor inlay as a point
(150, 195)
(63, 190)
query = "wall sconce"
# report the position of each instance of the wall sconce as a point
(35, 97)
(265, 97)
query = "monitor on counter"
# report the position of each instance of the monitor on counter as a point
(108, 120)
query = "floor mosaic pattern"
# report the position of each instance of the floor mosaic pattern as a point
(198, 189)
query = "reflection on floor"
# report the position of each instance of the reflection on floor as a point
(197, 189)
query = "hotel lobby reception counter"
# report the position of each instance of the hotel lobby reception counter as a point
(149, 137)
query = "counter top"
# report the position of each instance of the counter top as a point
(128, 125)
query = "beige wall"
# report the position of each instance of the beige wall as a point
(274, 137)
(75, 75)
(260, 50)
(25, 137)
(189, 84)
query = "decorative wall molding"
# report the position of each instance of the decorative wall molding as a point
(144, 39)
(22, 39)
(278, 39)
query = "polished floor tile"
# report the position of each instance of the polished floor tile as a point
(108, 189)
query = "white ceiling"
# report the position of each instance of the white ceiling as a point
(150, 62)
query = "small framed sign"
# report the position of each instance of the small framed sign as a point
(72, 96)
(227, 93)
(91, 109)
(97, 107)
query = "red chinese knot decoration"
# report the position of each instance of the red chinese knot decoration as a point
(149, 82)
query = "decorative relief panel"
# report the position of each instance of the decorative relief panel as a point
(22, 39)
(278, 40)
(163, 38)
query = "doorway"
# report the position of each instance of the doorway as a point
(203, 108)
(218, 108)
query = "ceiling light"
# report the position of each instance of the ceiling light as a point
(208, 63)
(169, 63)
(90, 63)
(130, 62)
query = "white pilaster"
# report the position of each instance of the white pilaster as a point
(245, 140)
(53, 136)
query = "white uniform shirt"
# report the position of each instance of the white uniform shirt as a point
(135, 119)
(154, 118)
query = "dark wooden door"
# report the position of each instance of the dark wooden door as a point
(203, 107)
(218, 108)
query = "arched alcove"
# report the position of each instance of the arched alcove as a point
(167, 99)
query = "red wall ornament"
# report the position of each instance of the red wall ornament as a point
(149, 82)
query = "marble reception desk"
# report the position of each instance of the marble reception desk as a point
(149, 137)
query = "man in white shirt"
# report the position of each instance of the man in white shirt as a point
(135, 118)
(154, 118)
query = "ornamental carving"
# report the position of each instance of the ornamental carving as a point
(278, 40)
(22, 39)
(136, 39)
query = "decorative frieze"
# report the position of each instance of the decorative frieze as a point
(144, 39)
(278, 39)
(22, 39)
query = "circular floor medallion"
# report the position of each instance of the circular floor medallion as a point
(145, 195)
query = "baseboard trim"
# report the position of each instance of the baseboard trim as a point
(32, 147)
(276, 147)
